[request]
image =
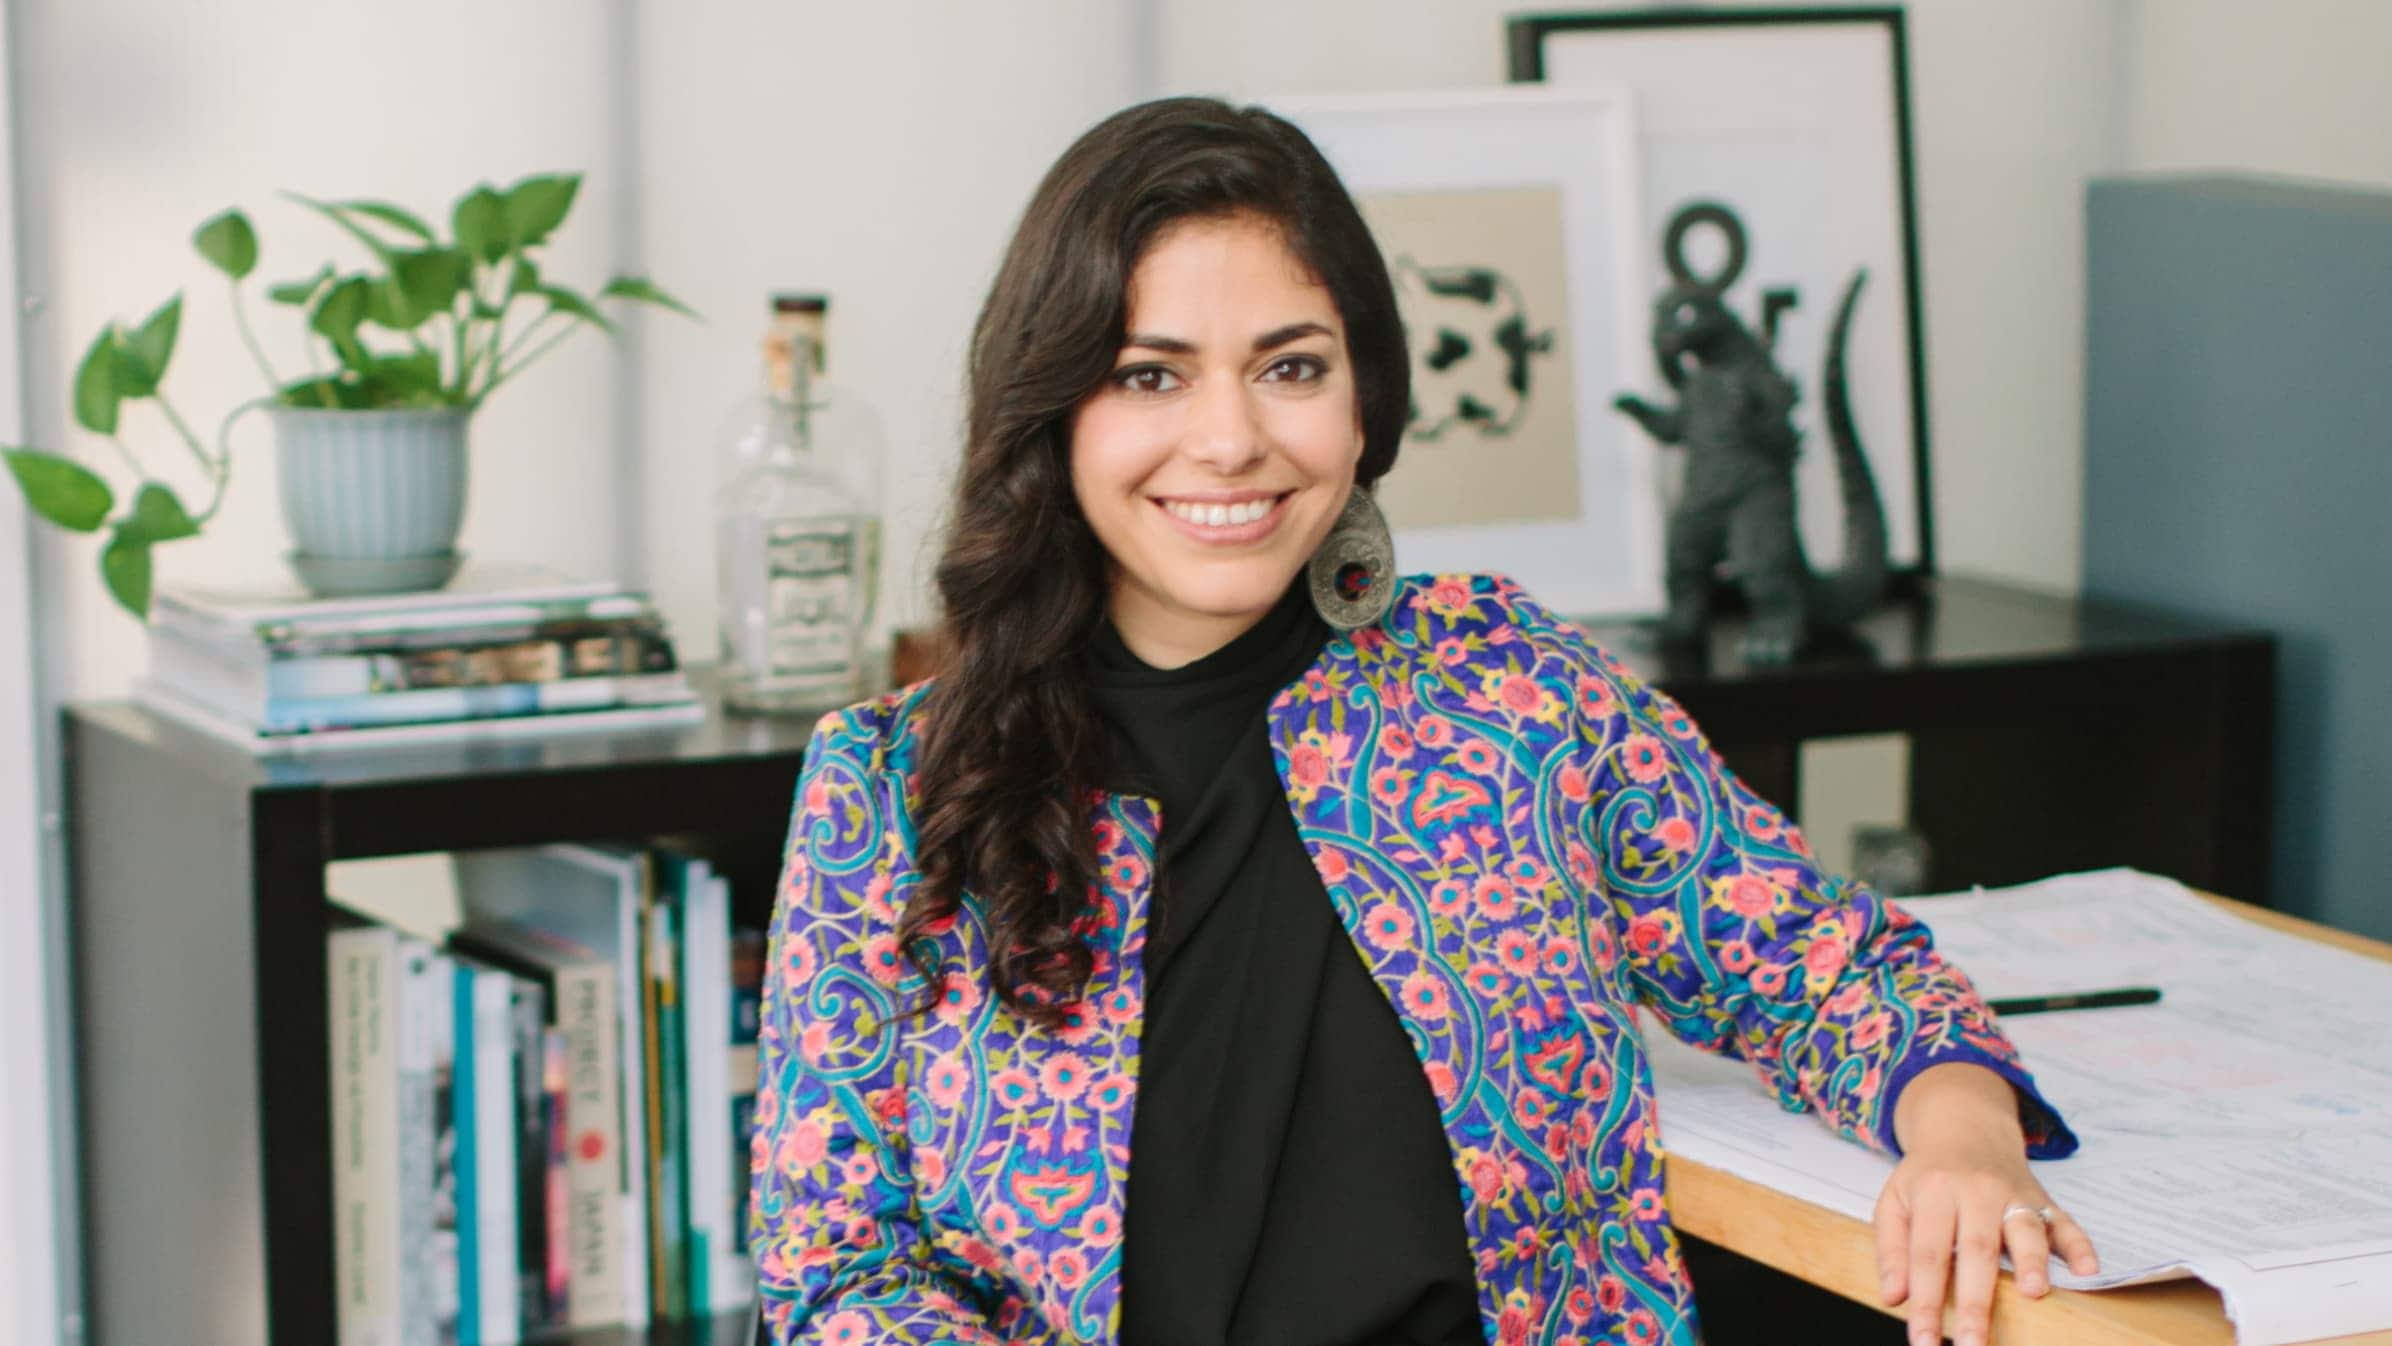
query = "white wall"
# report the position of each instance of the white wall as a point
(2294, 87)
(32, 1266)
(2014, 111)
(879, 153)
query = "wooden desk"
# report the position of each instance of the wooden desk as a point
(1837, 1252)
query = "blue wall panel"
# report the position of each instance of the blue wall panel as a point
(2238, 466)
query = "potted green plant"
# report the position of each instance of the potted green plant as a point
(371, 440)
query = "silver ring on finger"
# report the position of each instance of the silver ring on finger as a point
(2043, 1213)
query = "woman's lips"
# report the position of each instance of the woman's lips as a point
(1229, 534)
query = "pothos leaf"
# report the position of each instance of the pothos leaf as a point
(228, 242)
(61, 490)
(96, 394)
(158, 516)
(633, 287)
(125, 565)
(152, 345)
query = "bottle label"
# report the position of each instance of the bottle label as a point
(810, 594)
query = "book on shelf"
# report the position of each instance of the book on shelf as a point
(668, 1211)
(424, 1289)
(172, 703)
(274, 611)
(483, 1094)
(720, 1275)
(367, 969)
(557, 1278)
(438, 1251)
(527, 1024)
(735, 1278)
(381, 710)
(452, 657)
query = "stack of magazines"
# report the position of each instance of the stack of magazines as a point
(500, 650)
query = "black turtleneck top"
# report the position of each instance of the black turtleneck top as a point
(1290, 1180)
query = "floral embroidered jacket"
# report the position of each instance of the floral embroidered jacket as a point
(1522, 840)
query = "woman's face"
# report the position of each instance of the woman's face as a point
(1217, 454)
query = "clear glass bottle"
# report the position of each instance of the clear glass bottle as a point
(797, 527)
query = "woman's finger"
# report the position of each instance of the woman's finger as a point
(2068, 1238)
(2030, 1247)
(1932, 1230)
(1892, 1223)
(1976, 1263)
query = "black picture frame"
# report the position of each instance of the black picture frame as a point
(1526, 37)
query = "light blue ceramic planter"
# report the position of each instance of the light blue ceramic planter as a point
(373, 499)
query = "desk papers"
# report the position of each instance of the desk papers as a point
(2240, 1130)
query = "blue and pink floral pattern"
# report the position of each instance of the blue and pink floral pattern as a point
(1523, 842)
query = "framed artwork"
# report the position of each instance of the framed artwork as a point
(1777, 143)
(1509, 221)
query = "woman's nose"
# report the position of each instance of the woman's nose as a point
(1223, 431)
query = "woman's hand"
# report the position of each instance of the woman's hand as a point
(1940, 1218)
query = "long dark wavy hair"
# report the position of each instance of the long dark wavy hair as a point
(1009, 739)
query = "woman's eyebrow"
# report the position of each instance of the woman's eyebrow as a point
(1276, 337)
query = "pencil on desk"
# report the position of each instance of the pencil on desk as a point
(2038, 1004)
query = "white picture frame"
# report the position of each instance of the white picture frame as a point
(1598, 555)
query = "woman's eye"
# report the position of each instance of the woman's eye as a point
(1305, 368)
(1145, 379)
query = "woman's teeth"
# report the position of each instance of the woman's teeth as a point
(1218, 516)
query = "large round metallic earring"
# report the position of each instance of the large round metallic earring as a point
(1353, 572)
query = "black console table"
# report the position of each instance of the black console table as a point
(2048, 735)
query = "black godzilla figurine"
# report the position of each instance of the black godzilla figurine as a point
(1734, 419)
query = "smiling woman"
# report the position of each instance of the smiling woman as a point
(1236, 941)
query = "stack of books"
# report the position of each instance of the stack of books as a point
(542, 1121)
(499, 650)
